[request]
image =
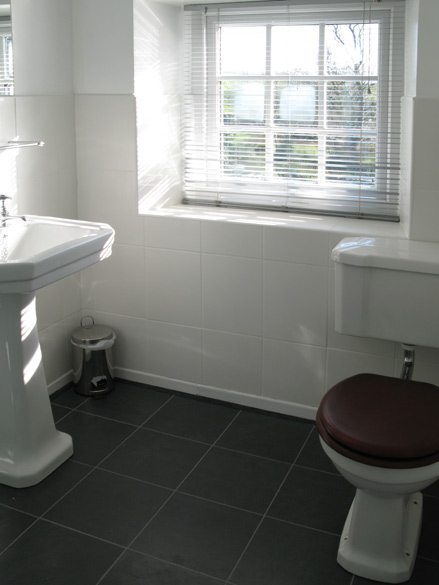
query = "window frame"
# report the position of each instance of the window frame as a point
(314, 198)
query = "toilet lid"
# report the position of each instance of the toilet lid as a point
(382, 417)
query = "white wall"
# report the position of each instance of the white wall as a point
(234, 306)
(43, 180)
(225, 306)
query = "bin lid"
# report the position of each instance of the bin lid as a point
(90, 334)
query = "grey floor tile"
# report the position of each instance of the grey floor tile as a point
(59, 412)
(136, 569)
(128, 403)
(424, 573)
(198, 535)
(93, 437)
(314, 498)
(429, 540)
(38, 498)
(12, 524)
(268, 436)
(433, 489)
(283, 554)
(313, 456)
(236, 479)
(50, 554)
(155, 457)
(69, 398)
(109, 506)
(193, 419)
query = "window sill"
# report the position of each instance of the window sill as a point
(283, 220)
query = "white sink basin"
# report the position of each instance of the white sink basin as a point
(33, 254)
(41, 250)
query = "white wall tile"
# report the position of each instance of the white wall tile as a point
(111, 197)
(294, 372)
(103, 46)
(232, 294)
(7, 118)
(172, 233)
(296, 245)
(157, 47)
(106, 133)
(232, 362)
(425, 215)
(42, 33)
(231, 239)
(117, 284)
(67, 194)
(173, 286)
(129, 350)
(173, 351)
(342, 364)
(39, 195)
(50, 119)
(295, 302)
(425, 140)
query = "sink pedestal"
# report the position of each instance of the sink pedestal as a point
(30, 446)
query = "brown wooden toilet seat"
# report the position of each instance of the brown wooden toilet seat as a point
(382, 421)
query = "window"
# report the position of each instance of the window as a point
(6, 61)
(293, 108)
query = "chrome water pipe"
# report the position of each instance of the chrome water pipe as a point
(409, 361)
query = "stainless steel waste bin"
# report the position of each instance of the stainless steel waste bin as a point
(93, 373)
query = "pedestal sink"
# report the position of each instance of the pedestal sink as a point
(34, 252)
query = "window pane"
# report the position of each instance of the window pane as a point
(350, 159)
(295, 157)
(352, 104)
(243, 154)
(295, 50)
(243, 102)
(295, 103)
(242, 50)
(352, 49)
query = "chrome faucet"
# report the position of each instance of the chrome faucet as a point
(4, 214)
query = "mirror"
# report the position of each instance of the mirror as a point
(6, 57)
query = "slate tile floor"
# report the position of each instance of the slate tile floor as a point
(165, 489)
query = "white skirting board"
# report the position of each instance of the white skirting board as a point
(250, 400)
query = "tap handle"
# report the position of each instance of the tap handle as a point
(3, 204)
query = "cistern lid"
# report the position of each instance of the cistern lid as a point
(389, 253)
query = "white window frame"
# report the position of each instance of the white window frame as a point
(366, 202)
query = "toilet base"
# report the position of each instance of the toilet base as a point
(381, 535)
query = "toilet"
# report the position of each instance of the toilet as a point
(382, 432)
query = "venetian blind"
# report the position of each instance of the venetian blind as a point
(294, 107)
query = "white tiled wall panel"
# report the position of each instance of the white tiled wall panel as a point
(232, 362)
(232, 294)
(219, 305)
(173, 286)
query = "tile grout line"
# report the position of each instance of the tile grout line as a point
(92, 468)
(171, 495)
(264, 515)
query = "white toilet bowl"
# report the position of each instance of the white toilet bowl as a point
(381, 434)
(381, 533)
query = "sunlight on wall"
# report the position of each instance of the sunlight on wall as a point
(157, 104)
